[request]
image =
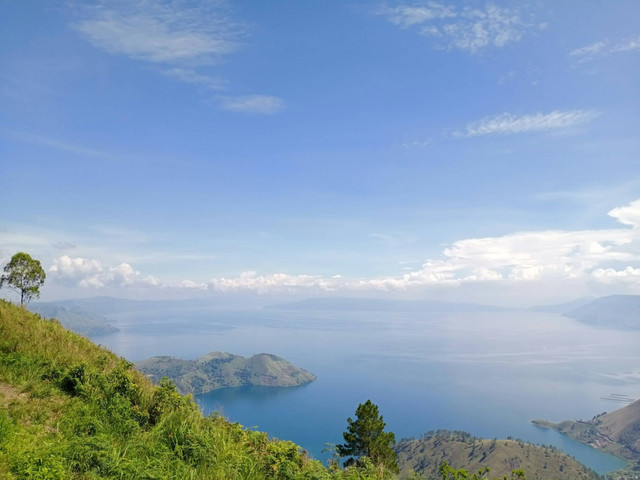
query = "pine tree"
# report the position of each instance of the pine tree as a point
(365, 437)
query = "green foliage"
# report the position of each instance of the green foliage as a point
(23, 275)
(449, 473)
(365, 437)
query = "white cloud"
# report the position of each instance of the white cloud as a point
(507, 123)
(611, 275)
(277, 282)
(188, 284)
(90, 273)
(160, 31)
(261, 104)
(122, 275)
(536, 256)
(628, 215)
(408, 15)
(76, 270)
(469, 29)
(605, 48)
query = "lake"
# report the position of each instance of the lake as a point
(488, 373)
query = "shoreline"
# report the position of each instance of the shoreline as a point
(586, 432)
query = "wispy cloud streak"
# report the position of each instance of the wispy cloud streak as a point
(605, 48)
(260, 104)
(509, 124)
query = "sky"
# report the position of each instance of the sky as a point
(452, 150)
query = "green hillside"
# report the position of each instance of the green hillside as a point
(72, 410)
(461, 450)
(220, 369)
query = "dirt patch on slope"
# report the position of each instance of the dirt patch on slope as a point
(10, 394)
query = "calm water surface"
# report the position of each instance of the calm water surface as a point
(487, 373)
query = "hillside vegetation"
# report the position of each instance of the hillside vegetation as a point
(72, 410)
(461, 450)
(220, 369)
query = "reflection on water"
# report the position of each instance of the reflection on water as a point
(489, 373)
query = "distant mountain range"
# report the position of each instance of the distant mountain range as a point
(381, 305)
(220, 369)
(562, 307)
(87, 315)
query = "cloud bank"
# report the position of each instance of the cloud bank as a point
(606, 257)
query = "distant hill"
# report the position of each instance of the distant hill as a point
(615, 311)
(74, 318)
(461, 450)
(220, 369)
(380, 304)
(104, 305)
(110, 305)
(562, 307)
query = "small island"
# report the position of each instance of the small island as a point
(220, 369)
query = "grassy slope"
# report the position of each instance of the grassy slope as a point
(461, 450)
(70, 409)
(219, 369)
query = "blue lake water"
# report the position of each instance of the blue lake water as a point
(487, 373)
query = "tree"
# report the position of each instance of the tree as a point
(24, 275)
(365, 437)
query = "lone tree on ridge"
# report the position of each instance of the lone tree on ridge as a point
(24, 275)
(365, 437)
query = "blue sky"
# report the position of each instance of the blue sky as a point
(473, 151)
